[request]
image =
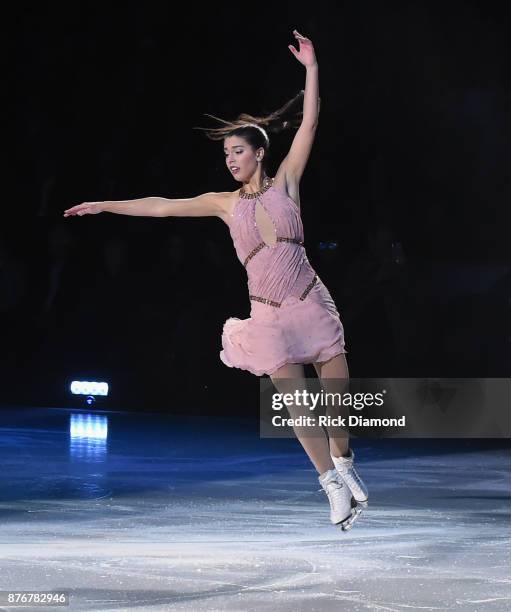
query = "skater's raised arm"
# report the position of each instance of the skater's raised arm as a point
(296, 160)
(204, 205)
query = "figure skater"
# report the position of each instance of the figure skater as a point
(293, 318)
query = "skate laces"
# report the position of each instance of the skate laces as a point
(350, 471)
(354, 474)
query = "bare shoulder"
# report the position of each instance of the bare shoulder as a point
(226, 201)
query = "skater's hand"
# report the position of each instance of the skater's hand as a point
(306, 54)
(86, 208)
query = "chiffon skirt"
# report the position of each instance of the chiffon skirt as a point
(300, 331)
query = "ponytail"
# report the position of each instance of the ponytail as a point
(273, 123)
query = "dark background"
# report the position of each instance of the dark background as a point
(408, 178)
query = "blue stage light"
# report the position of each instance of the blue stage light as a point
(86, 387)
(327, 246)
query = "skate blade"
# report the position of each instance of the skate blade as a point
(348, 523)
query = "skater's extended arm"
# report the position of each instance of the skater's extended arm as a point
(204, 205)
(300, 149)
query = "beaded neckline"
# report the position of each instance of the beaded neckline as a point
(267, 183)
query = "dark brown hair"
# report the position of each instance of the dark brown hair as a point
(255, 129)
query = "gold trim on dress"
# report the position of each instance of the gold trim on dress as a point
(278, 304)
(261, 245)
(267, 183)
(309, 287)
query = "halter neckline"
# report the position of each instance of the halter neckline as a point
(267, 183)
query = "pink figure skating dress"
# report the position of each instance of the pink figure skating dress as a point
(293, 318)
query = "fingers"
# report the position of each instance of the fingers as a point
(298, 35)
(79, 209)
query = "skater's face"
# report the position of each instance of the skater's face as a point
(241, 158)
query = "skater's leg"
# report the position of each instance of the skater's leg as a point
(335, 378)
(287, 379)
(334, 375)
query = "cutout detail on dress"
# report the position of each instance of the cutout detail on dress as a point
(264, 224)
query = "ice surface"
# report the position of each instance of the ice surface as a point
(201, 514)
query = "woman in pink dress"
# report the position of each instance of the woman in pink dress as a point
(293, 319)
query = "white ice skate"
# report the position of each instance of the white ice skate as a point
(340, 497)
(346, 469)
